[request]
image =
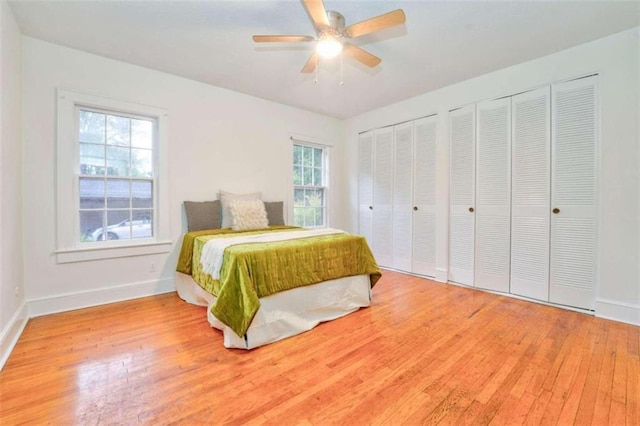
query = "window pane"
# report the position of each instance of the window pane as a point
(117, 161)
(314, 198)
(297, 175)
(119, 225)
(298, 217)
(297, 155)
(307, 156)
(90, 221)
(319, 217)
(142, 224)
(317, 176)
(141, 162)
(91, 193)
(118, 193)
(142, 194)
(142, 133)
(307, 176)
(91, 159)
(298, 197)
(118, 130)
(317, 157)
(309, 217)
(91, 127)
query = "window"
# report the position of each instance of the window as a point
(114, 153)
(116, 176)
(310, 185)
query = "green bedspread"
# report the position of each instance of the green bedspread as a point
(255, 270)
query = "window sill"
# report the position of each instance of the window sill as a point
(97, 253)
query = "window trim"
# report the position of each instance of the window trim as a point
(326, 177)
(69, 248)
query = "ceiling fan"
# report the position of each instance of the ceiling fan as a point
(333, 35)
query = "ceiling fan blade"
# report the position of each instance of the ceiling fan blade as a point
(361, 55)
(281, 38)
(378, 23)
(310, 66)
(317, 13)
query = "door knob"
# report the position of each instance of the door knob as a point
(370, 207)
(471, 209)
(415, 208)
(556, 210)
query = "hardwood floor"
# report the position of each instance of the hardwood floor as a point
(424, 352)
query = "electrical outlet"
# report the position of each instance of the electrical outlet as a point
(153, 267)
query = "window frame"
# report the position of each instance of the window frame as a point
(326, 158)
(69, 247)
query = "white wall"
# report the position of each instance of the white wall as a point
(219, 139)
(223, 139)
(12, 306)
(616, 58)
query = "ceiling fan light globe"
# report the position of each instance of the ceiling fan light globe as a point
(328, 48)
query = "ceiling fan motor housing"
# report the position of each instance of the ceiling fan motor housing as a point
(336, 21)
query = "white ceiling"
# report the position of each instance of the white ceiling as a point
(210, 41)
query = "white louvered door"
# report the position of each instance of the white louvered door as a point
(424, 197)
(402, 195)
(530, 194)
(382, 235)
(573, 193)
(493, 195)
(462, 194)
(365, 185)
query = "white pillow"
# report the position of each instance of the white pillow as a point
(227, 197)
(248, 215)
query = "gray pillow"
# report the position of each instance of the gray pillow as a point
(274, 212)
(203, 215)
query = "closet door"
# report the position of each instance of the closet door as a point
(424, 197)
(573, 193)
(531, 194)
(383, 196)
(402, 195)
(462, 194)
(493, 195)
(365, 185)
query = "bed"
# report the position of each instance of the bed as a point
(274, 282)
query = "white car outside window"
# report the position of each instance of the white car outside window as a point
(125, 230)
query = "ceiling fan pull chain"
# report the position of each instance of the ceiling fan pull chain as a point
(341, 69)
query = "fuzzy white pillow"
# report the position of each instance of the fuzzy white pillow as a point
(226, 198)
(247, 215)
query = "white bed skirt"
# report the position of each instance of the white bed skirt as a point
(288, 313)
